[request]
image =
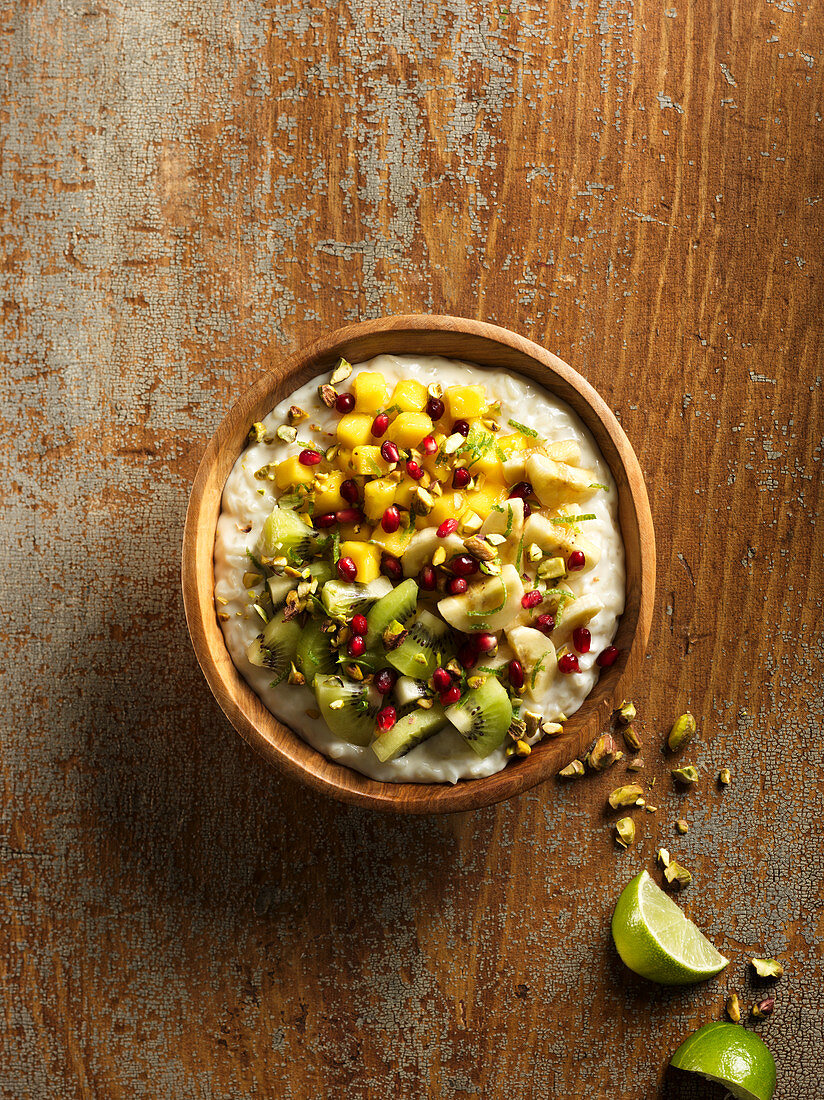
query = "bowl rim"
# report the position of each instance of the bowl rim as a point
(275, 741)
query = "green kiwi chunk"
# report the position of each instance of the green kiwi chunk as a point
(399, 605)
(408, 732)
(275, 648)
(342, 600)
(423, 648)
(284, 532)
(347, 708)
(314, 652)
(483, 716)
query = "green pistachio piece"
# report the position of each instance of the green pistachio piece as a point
(682, 732)
(625, 796)
(767, 968)
(687, 776)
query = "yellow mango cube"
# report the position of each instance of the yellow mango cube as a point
(327, 493)
(368, 461)
(367, 559)
(377, 496)
(404, 491)
(354, 429)
(465, 402)
(409, 428)
(511, 443)
(482, 501)
(488, 464)
(449, 506)
(291, 472)
(395, 543)
(409, 395)
(370, 391)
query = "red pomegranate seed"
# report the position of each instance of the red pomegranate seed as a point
(389, 452)
(359, 624)
(414, 470)
(456, 586)
(328, 520)
(452, 695)
(429, 445)
(441, 680)
(380, 424)
(568, 663)
(386, 719)
(607, 657)
(447, 527)
(391, 567)
(349, 491)
(391, 519)
(461, 478)
(532, 598)
(516, 674)
(463, 565)
(488, 643)
(429, 581)
(461, 427)
(527, 510)
(309, 458)
(581, 639)
(385, 680)
(523, 490)
(435, 408)
(545, 623)
(349, 515)
(347, 570)
(345, 402)
(576, 560)
(356, 646)
(468, 655)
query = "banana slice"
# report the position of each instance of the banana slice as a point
(555, 539)
(537, 654)
(423, 545)
(514, 468)
(489, 606)
(510, 523)
(565, 450)
(575, 614)
(556, 483)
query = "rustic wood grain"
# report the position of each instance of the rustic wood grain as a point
(192, 191)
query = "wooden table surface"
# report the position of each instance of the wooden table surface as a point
(193, 189)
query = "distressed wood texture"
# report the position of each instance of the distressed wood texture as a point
(192, 190)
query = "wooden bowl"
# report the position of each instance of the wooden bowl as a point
(454, 338)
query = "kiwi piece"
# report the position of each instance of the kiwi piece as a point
(399, 605)
(422, 649)
(483, 716)
(408, 732)
(284, 532)
(407, 691)
(275, 647)
(343, 600)
(347, 707)
(314, 654)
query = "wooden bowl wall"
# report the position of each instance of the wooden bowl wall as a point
(454, 338)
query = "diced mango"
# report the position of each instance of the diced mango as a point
(409, 428)
(450, 505)
(377, 496)
(368, 461)
(395, 543)
(488, 464)
(367, 559)
(370, 391)
(327, 494)
(482, 500)
(510, 443)
(409, 395)
(465, 402)
(354, 429)
(404, 492)
(291, 472)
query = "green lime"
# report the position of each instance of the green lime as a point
(730, 1056)
(657, 941)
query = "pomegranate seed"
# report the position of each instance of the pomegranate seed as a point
(391, 519)
(461, 427)
(516, 674)
(345, 402)
(391, 567)
(441, 680)
(349, 491)
(527, 511)
(461, 478)
(607, 657)
(356, 646)
(456, 586)
(349, 515)
(488, 643)
(428, 579)
(389, 452)
(385, 680)
(386, 719)
(576, 560)
(429, 446)
(309, 458)
(532, 598)
(545, 623)
(452, 695)
(463, 565)
(447, 527)
(581, 639)
(328, 520)
(359, 624)
(435, 408)
(347, 570)
(568, 663)
(468, 655)
(413, 469)
(380, 424)
(523, 490)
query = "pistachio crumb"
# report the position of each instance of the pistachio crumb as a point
(725, 777)
(733, 1008)
(682, 826)
(767, 968)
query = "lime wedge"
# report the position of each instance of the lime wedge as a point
(657, 941)
(729, 1055)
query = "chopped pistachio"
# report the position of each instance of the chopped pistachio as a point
(636, 764)
(295, 677)
(296, 414)
(355, 671)
(686, 776)
(604, 753)
(341, 372)
(422, 502)
(439, 557)
(517, 728)
(625, 830)
(471, 522)
(252, 580)
(454, 667)
(257, 433)
(491, 568)
(762, 1009)
(495, 538)
(725, 777)
(682, 826)
(733, 1008)
(479, 549)
(682, 732)
(261, 613)
(640, 802)
(625, 796)
(631, 738)
(551, 568)
(651, 809)
(336, 704)
(435, 389)
(552, 729)
(522, 748)
(572, 771)
(425, 703)
(534, 552)
(663, 857)
(475, 681)
(286, 434)
(767, 968)
(626, 712)
(532, 722)
(393, 635)
(676, 875)
(328, 395)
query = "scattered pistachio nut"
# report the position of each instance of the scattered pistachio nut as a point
(393, 635)
(626, 712)
(422, 502)
(355, 671)
(517, 728)
(651, 809)
(676, 875)
(480, 549)
(257, 433)
(328, 395)
(636, 764)
(425, 703)
(552, 729)
(625, 796)
(604, 753)
(631, 738)
(532, 722)
(522, 748)
(295, 414)
(762, 1009)
(625, 831)
(534, 552)
(725, 777)
(495, 538)
(663, 857)
(682, 826)
(491, 568)
(572, 771)
(686, 776)
(295, 677)
(682, 732)
(475, 681)
(252, 580)
(286, 434)
(435, 389)
(767, 968)
(733, 1008)
(341, 372)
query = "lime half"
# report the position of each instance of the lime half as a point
(730, 1056)
(657, 941)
